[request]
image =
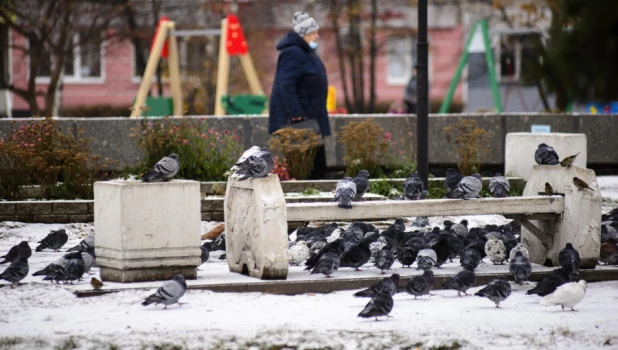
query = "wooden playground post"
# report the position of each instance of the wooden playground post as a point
(175, 73)
(223, 71)
(251, 74)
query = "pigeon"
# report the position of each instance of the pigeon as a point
(452, 179)
(84, 244)
(357, 255)
(520, 267)
(468, 187)
(345, 192)
(413, 187)
(336, 246)
(519, 248)
(55, 271)
(169, 293)
(470, 258)
(353, 233)
(54, 240)
(546, 155)
(205, 253)
(257, 165)
(164, 170)
(362, 184)
(569, 259)
(499, 186)
(89, 259)
(380, 305)
(549, 284)
(608, 251)
(384, 259)
(495, 250)
(497, 291)
(568, 161)
(22, 249)
(581, 184)
(426, 259)
(96, 284)
(246, 154)
(377, 245)
(389, 285)
(406, 255)
(441, 246)
(17, 271)
(460, 229)
(420, 285)
(298, 253)
(328, 263)
(461, 282)
(569, 295)
(75, 268)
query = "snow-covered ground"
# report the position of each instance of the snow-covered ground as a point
(40, 315)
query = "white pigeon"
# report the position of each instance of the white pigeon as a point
(519, 248)
(568, 294)
(426, 259)
(334, 235)
(495, 250)
(298, 253)
(246, 154)
(377, 245)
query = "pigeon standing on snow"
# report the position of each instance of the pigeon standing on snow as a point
(204, 253)
(89, 259)
(468, 187)
(420, 285)
(54, 240)
(406, 255)
(246, 154)
(75, 268)
(22, 249)
(495, 250)
(164, 170)
(84, 244)
(426, 259)
(384, 259)
(452, 179)
(519, 248)
(357, 255)
(55, 271)
(414, 188)
(380, 304)
(328, 261)
(497, 291)
(345, 192)
(546, 155)
(549, 284)
(569, 295)
(17, 271)
(389, 285)
(499, 186)
(569, 259)
(298, 253)
(520, 267)
(461, 282)
(362, 184)
(169, 293)
(257, 165)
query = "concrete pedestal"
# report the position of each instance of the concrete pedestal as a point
(520, 147)
(581, 222)
(147, 231)
(256, 238)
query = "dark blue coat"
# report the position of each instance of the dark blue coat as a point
(300, 85)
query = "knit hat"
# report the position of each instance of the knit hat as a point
(303, 24)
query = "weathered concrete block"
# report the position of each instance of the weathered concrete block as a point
(51, 219)
(206, 216)
(70, 207)
(7, 208)
(81, 218)
(520, 148)
(34, 208)
(580, 224)
(147, 231)
(217, 216)
(256, 227)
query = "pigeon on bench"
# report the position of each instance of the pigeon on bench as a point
(468, 187)
(545, 154)
(164, 170)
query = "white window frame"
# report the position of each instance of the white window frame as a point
(497, 36)
(76, 79)
(137, 79)
(403, 80)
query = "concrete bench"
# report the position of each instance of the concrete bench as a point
(256, 218)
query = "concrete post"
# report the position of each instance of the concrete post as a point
(256, 238)
(147, 231)
(581, 222)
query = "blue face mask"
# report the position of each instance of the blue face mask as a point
(313, 45)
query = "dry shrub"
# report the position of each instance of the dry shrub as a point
(298, 147)
(470, 143)
(365, 144)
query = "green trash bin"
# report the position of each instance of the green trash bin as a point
(158, 107)
(244, 104)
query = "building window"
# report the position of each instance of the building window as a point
(82, 63)
(400, 53)
(517, 56)
(138, 73)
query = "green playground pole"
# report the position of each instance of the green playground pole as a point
(489, 57)
(462, 62)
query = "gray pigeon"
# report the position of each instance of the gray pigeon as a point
(380, 304)
(569, 259)
(55, 271)
(22, 249)
(499, 186)
(164, 170)
(426, 259)
(362, 184)
(546, 155)
(497, 291)
(17, 271)
(246, 154)
(84, 244)
(54, 240)
(452, 179)
(345, 192)
(413, 187)
(420, 285)
(519, 248)
(169, 293)
(389, 285)
(468, 187)
(328, 263)
(520, 267)
(89, 259)
(384, 259)
(205, 253)
(461, 282)
(75, 268)
(257, 165)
